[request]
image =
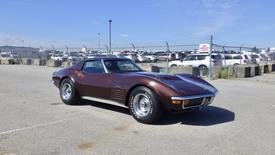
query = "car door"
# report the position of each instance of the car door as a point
(204, 60)
(193, 61)
(93, 81)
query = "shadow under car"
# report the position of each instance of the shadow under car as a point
(207, 116)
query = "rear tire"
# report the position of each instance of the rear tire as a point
(144, 105)
(68, 92)
(203, 69)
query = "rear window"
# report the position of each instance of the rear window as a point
(237, 57)
(216, 57)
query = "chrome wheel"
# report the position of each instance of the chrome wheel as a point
(66, 91)
(141, 105)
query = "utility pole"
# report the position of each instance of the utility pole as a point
(110, 36)
(240, 55)
(167, 59)
(210, 54)
(224, 60)
(134, 47)
(107, 48)
(66, 49)
(167, 47)
(98, 34)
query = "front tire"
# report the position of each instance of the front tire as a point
(144, 105)
(68, 92)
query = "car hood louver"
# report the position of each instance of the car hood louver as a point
(183, 84)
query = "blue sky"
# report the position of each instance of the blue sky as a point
(144, 22)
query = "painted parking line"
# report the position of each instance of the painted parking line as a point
(35, 126)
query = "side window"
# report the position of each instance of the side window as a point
(93, 67)
(193, 58)
(228, 57)
(216, 56)
(245, 56)
(190, 58)
(201, 57)
(237, 57)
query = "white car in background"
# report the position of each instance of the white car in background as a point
(90, 56)
(142, 58)
(131, 56)
(257, 57)
(198, 60)
(151, 57)
(57, 57)
(236, 59)
(163, 56)
(265, 56)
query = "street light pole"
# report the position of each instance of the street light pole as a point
(107, 48)
(110, 36)
(98, 42)
(134, 47)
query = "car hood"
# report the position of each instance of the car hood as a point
(184, 84)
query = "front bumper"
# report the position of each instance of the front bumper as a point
(194, 101)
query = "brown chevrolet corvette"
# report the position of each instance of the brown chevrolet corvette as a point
(120, 81)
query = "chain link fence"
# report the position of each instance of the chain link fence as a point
(228, 55)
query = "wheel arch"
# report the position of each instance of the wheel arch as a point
(202, 65)
(134, 87)
(66, 77)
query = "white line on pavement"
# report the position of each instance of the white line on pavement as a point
(32, 127)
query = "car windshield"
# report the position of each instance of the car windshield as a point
(121, 66)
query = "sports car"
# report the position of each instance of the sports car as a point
(120, 81)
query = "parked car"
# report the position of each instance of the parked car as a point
(131, 56)
(57, 57)
(151, 57)
(257, 57)
(90, 56)
(5, 55)
(142, 58)
(180, 55)
(236, 59)
(121, 81)
(163, 56)
(198, 60)
(75, 58)
(265, 57)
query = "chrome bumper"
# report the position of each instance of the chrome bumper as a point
(204, 102)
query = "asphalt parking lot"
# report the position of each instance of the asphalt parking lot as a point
(33, 120)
